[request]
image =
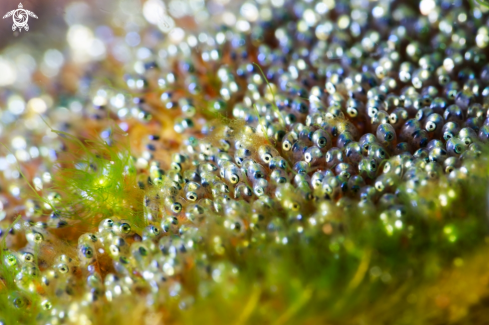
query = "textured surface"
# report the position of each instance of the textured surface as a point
(248, 162)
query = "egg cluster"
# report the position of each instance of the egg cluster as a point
(290, 167)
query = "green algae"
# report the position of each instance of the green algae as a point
(97, 179)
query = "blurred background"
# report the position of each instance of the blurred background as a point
(51, 22)
(68, 34)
